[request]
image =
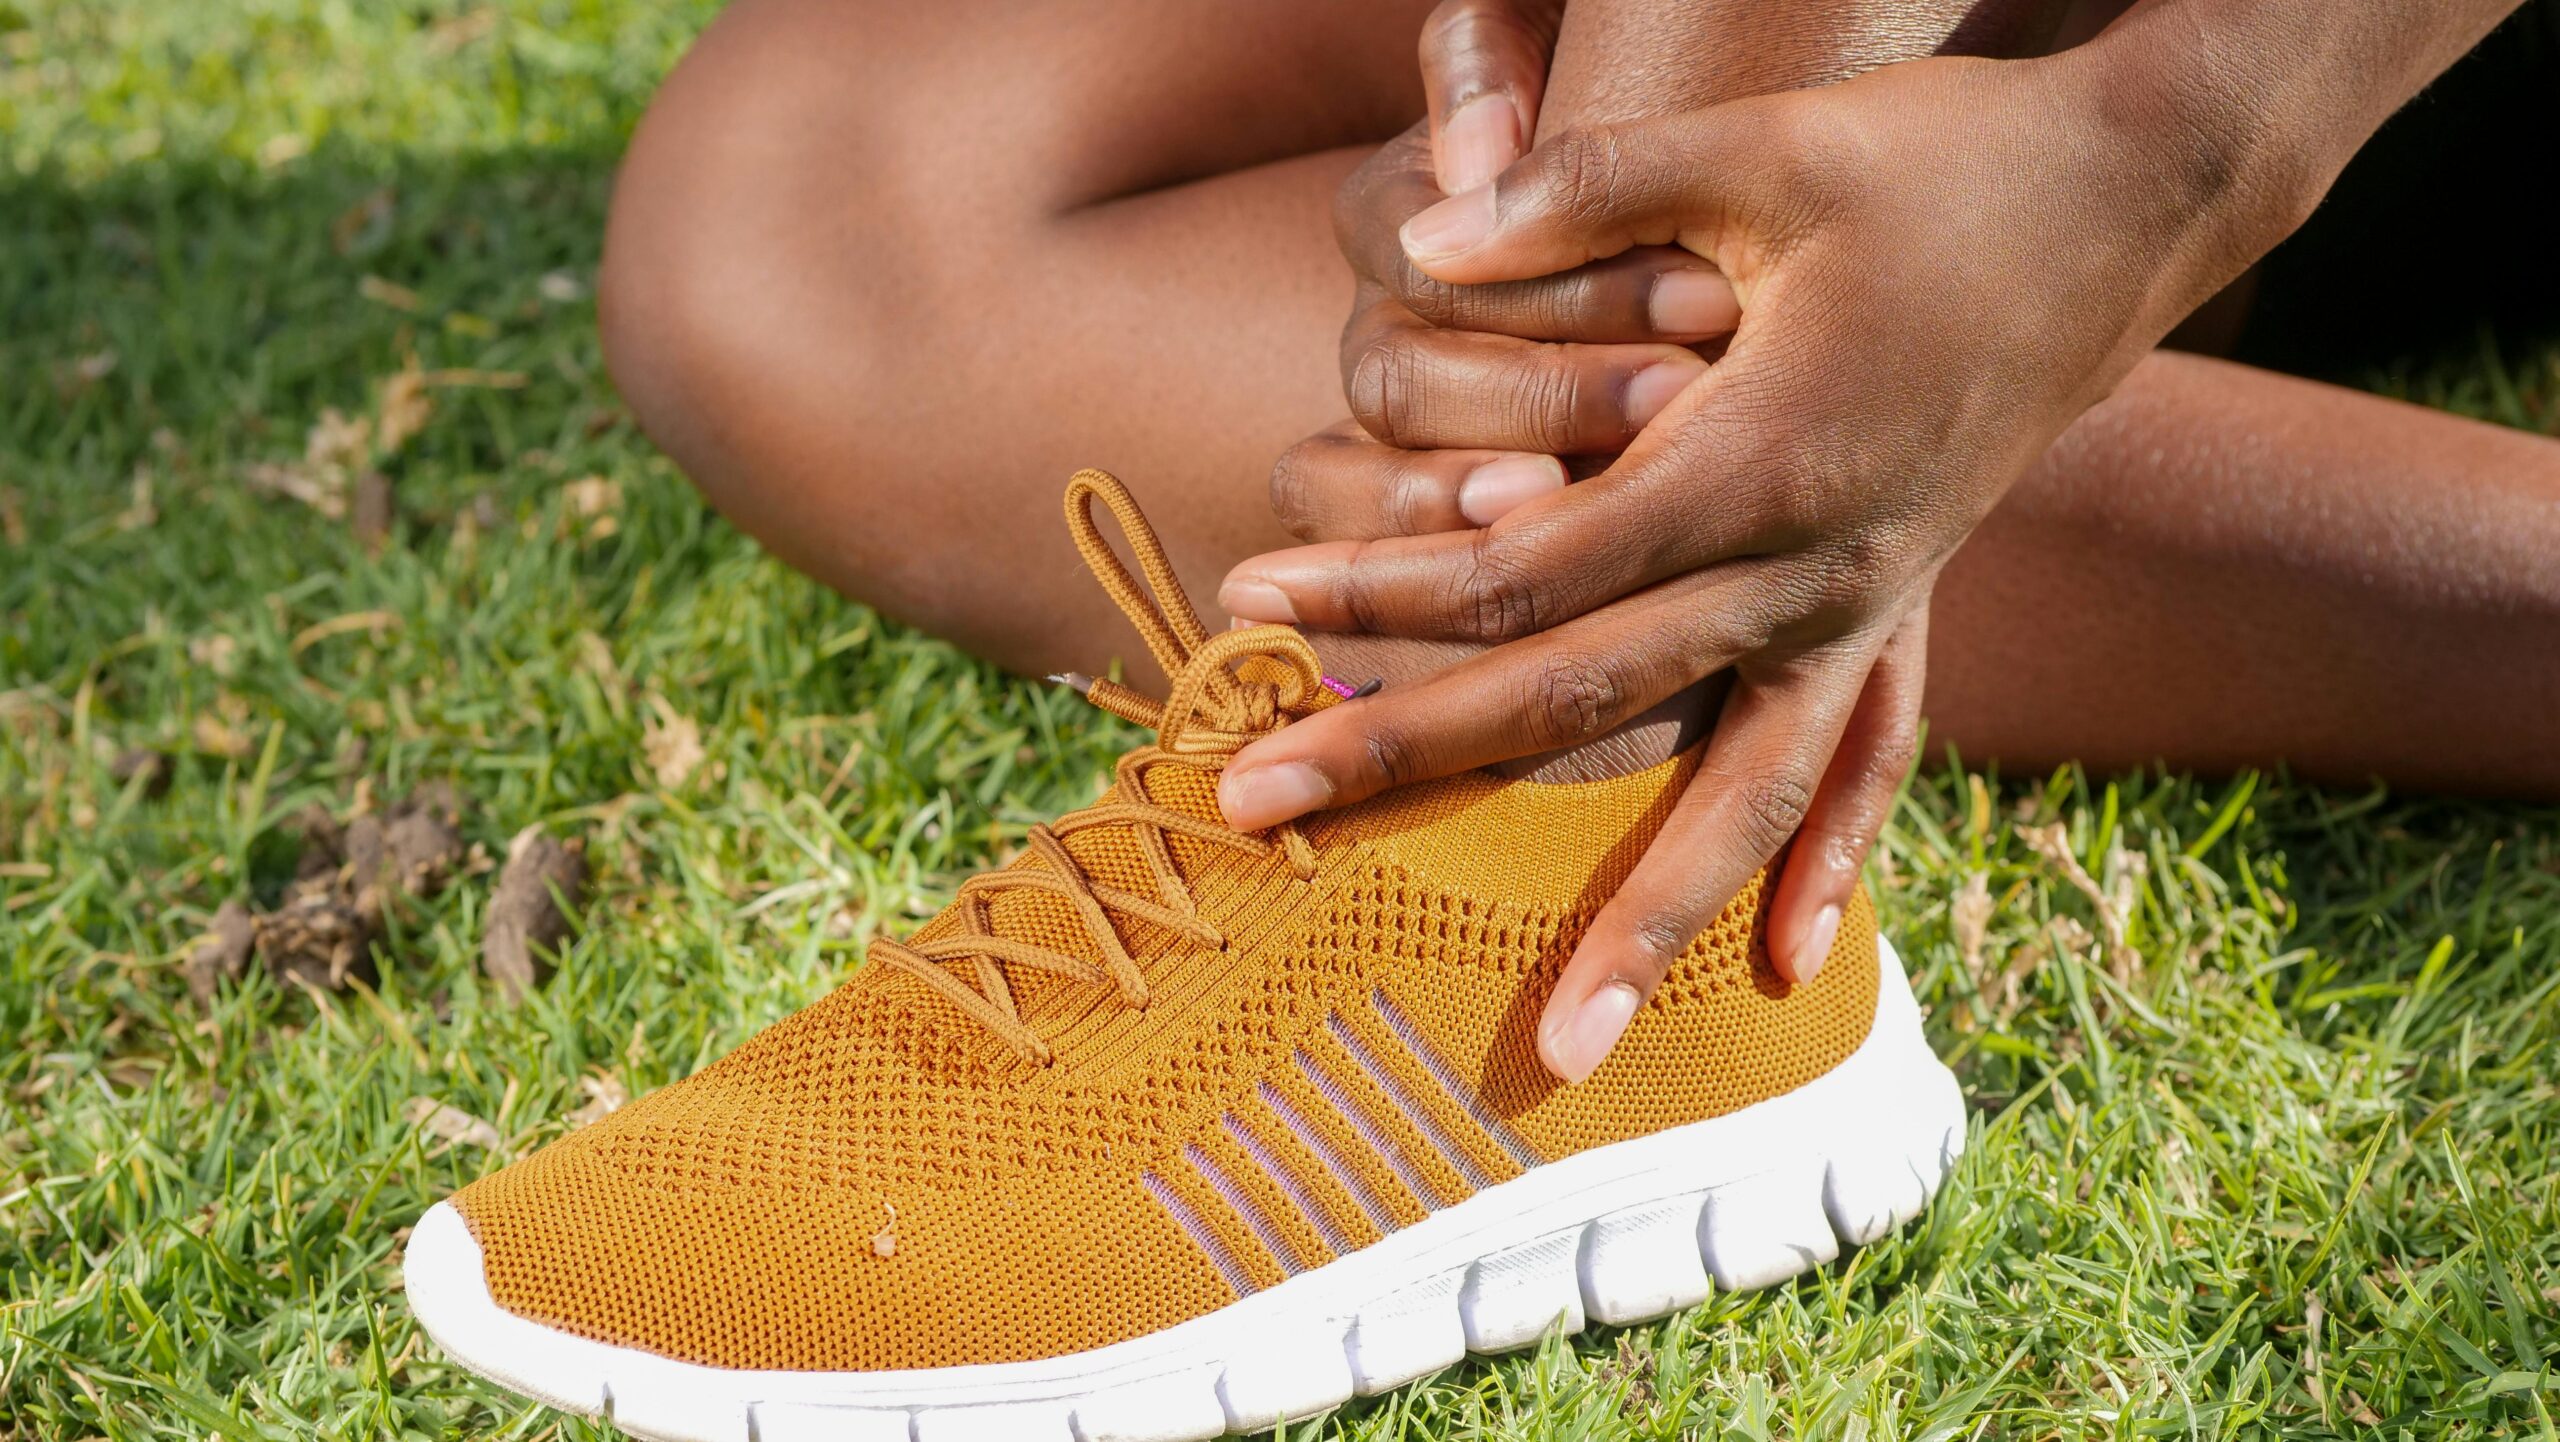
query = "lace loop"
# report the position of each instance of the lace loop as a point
(1172, 632)
(1227, 690)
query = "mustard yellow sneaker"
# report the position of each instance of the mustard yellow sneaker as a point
(1164, 1131)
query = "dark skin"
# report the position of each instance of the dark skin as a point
(1125, 258)
(1939, 264)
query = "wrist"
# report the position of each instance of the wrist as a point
(2250, 108)
(2199, 146)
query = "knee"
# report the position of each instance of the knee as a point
(698, 250)
(740, 305)
(672, 348)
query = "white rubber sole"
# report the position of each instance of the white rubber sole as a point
(1621, 1233)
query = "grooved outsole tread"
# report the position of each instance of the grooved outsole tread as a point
(1615, 1236)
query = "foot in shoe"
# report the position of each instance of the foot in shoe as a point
(1165, 1129)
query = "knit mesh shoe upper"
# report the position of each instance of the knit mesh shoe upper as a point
(1161, 1066)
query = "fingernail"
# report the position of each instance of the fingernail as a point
(1457, 224)
(1692, 302)
(1269, 795)
(1497, 488)
(1477, 141)
(1250, 598)
(1816, 947)
(1577, 1048)
(1652, 388)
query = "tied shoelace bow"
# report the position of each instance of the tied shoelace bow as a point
(1227, 690)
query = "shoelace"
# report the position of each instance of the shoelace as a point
(1227, 690)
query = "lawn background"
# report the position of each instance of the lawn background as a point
(2291, 1174)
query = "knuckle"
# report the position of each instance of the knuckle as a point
(1550, 402)
(1497, 599)
(1773, 808)
(1411, 502)
(1859, 569)
(1371, 387)
(1533, 309)
(1384, 387)
(1574, 699)
(1896, 746)
(1807, 477)
(1355, 595)
(1803, 471)
(1437, 301)
(1388, 758)
(1661, 936)
(1587, 173)
(1359, 203)
(1839, 852)
(1293, 491)
(1895, 749)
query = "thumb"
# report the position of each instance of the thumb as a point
(1594, 192)
(1484, 70)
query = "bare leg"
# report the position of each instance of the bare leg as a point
(867, 283)
(2224, 567)
(869, 277)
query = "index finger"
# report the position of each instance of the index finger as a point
(1542, 563)
(1752, 790)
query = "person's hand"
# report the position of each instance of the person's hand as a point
(1459, 412)
(1455, 418)
(1468, 400)
(1419, 378)
(1452, 368)
(1939, 264)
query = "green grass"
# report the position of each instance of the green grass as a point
(2294, 1176)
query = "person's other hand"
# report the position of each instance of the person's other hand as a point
(1939, 264)
(1466, 398)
